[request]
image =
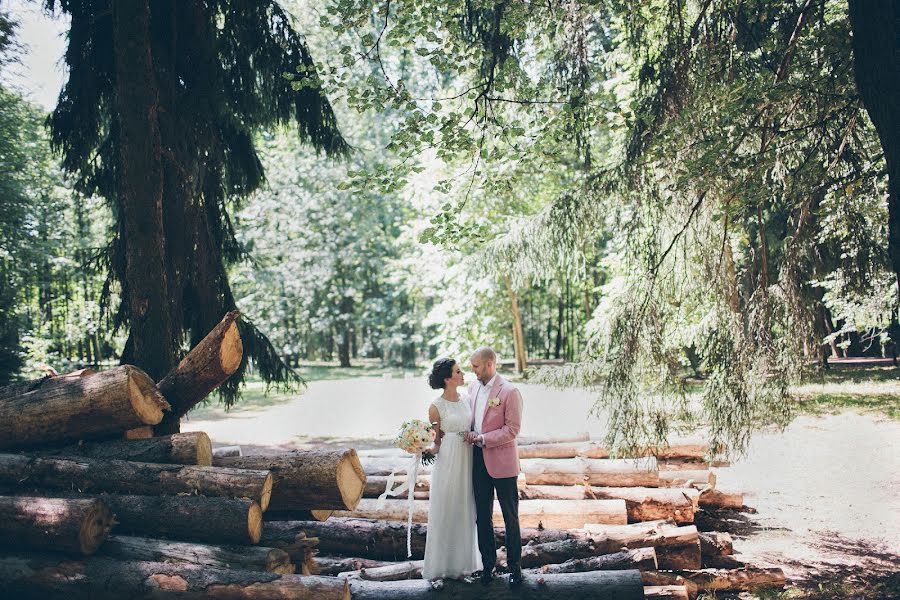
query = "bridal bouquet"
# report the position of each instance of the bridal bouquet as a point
(415, 436)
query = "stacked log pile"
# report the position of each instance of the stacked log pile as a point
(93, 505)
(581, 512)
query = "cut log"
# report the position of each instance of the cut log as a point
(411, 569)
(642, 559)
(698, 479)
(668, 579)
(139, 433)
(189, 518)
(712, 498)
(309, 479)
(715, 543)
(333, 565)
(607, 472)
(380, 540)
(207, 366)
(192, 448)
(297, 545)
(298, 515)
(75, 526)
(57, 410)
(376, 484)
(590, 449)
(748, 579)
(642, 504)
(227, 451)
(40, 576)
(676, 547)
(242, 558)
(121, 476)
(599, 585)
(666, 592)
(558, 514)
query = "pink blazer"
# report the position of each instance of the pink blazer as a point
(500, 427)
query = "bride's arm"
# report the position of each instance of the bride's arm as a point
(434, 417)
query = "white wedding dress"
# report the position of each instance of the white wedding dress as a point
(451, 547)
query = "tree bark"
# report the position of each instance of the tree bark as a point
(76, 526)
(57, 410)
(683, 478)
(599, 585)
(92, 475)
(208, 365)
(227, 451)
(242, 558)
(748, 579)
(557, 514)
(411, 569)
(332, 565)
(712, 498)
(32, 576)
(626, 472)
(641, 504)
(666, 592)
(642, 559)
(153, 342)
(192, 448)
(308, 479)
(876, 45)
(676, 547)
(518, 334)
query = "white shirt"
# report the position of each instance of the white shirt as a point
(481, 400)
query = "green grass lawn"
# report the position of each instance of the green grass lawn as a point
(863, 389)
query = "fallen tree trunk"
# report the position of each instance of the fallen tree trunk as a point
(599, 585)
(642, 504)
(380, 540)
(309, 479)
(590, 449)
(748, 579)
(411, 569)
(297, 544)
(333, 565)
(45, 577)
(668, 579)
(75, 526)
(642, 559)
(190, 518)
(121, 476)
(63, 409)
(207, 366)
(242, 558)
(227, 451)
(666, 592)
(192, 448)
(608, 472)
(683, 479)
(558, 514)
(676, 547)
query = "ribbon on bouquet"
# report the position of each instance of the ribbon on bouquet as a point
(412, 472)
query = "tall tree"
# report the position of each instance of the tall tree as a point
(158, 116)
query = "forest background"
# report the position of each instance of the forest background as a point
(690, 203)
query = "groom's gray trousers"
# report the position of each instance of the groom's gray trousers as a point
(508, 496)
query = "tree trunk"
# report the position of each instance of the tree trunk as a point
(309, 479)
(376, 484)
(332, 565)
(666, 592)
(227, 452)
(192, 448)
(411, 569)
(598, 585)
(589, 449)
(241, 558)
(748, 579)
(712, 498)
(876, 45)
(208, 365)
(518, 334)
(68, 408)
(153, 342)
(676, 547)
(642, 559)
(76, 526)
(641, 504)
(189, 518)
(91, 475)
(684, 478)
(51, 577)
(557, 514)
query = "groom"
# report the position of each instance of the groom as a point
(496, 419)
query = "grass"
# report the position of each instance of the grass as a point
(861, 389)
(838, 586)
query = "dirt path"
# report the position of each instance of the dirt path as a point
(827, 489)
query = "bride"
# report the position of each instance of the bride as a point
(451, 546)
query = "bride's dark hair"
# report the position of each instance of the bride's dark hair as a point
(441, 370)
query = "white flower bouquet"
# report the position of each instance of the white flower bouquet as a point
(415, 436)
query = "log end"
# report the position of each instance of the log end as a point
(266, 494)
(231, 351)
(351, 479)
(146, 400)
(254, 523)
(204, 450)
(321, 515)
(95, 527)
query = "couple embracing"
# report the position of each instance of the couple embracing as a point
(475, 457)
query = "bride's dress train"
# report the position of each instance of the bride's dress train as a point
(451, 547)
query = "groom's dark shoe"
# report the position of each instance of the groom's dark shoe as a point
(515, 576)
(487, 575)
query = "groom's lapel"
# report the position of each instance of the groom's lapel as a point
(495, 389)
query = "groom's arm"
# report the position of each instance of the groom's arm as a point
(512, 422)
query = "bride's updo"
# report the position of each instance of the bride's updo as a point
(442, 369)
